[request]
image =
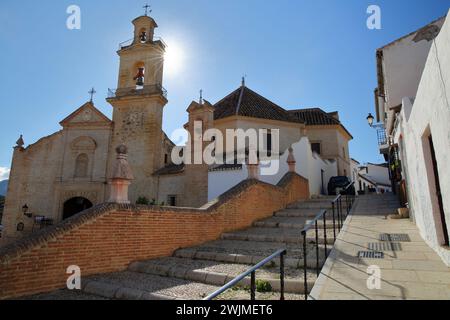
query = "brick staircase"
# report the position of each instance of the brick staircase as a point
(193, 273)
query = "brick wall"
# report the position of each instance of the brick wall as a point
(108, 237)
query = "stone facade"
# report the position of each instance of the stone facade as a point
(71, 170)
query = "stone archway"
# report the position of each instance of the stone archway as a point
(74, 206)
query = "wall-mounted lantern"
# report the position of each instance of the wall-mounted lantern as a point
(25, 211)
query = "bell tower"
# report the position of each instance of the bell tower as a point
(138, 104)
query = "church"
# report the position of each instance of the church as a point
(69, 171)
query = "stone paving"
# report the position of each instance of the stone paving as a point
(194, 273)
(412, 271)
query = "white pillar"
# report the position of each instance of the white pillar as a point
(122, 177)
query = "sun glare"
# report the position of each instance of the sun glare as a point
(173, 58)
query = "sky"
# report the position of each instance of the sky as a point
(297, 53)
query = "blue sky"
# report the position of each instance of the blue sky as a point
(296, 53)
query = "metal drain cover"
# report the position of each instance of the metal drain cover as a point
(397, 237)
(370, 255)
(385, 246)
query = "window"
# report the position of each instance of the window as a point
(269, 142)
(316, 147)
(81, 166)
(166, 158)
(172, 201)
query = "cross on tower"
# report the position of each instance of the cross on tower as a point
(92, 92)
(146, 7)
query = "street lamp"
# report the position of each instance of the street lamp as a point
(370, 119)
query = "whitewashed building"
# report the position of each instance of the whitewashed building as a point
(413, 105)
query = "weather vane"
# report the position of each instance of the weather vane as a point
(146, 7)
(92, 92)
(201, 96)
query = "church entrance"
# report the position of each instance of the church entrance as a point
(75, 206)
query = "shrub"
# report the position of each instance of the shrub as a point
(263, 286)
(143, 201)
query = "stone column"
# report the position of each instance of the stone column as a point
(121, 177)
(291, 160)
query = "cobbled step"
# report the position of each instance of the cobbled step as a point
(294, 222)
(318, 205)
(219, 274)
(139, 286)
(292, 259)
(296, 213)
(279, 235)
(64, 294)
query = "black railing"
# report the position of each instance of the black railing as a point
(137, 90)
(252, 272)
(338, 213)
(129, 42)
(381, 136)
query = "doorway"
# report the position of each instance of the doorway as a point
(75, 206)
(443, 221)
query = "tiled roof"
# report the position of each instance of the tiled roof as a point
(170, 169)
(247, 103)
(314, 117)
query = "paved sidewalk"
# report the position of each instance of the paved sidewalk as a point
(412, 271)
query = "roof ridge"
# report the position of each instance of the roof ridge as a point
(241, 95)
(229, 95)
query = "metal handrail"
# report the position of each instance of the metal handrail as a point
(280, 253)
(309, 226)
(145, 90)
(335, 204)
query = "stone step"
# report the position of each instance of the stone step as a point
(294, 222)
(130, 285)
(64, 294)
(244, 295)
(279, 235)
(297, 213)
(219, 274)
(319, 205)
(293, 259)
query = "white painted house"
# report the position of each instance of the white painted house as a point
(413, 104)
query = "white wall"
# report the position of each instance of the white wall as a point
(403, 65)
(308, 165)
(430, 114)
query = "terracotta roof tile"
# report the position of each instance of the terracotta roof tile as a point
(247, 103)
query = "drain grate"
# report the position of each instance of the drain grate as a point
(370, 255)
(385, 246)
(395, 237)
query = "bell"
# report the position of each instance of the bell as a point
(143, 36)
(140, 81)
(140, 77)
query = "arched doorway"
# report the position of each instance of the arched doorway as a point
(74, 206)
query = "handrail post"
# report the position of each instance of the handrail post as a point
(253, 286)
(317, 249)
(339, 211)
(282, 276)
(325, 233)
(334, 221)
(305, 267)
